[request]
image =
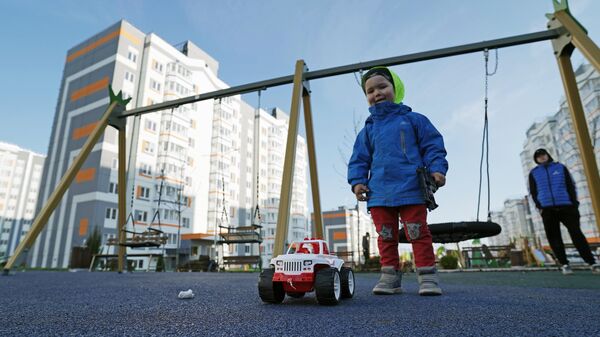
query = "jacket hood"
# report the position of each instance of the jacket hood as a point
(541, 151)
(398, 85)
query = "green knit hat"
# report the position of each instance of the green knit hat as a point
(390, 76)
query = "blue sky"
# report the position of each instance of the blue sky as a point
(256, 40)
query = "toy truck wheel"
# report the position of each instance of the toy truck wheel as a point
(347, 282)
(328, 286)
(269, 291)
(296, 295)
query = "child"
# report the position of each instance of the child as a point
(394, 142)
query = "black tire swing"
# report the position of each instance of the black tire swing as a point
(449, 232)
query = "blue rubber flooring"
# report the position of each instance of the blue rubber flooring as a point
(37, 303)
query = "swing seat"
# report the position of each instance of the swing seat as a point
(447, 232)
(149, 238)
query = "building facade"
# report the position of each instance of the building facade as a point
(187, 166)
(20, 177)
(515, 221)
(344, 230)
(557, 135)
(271, 141)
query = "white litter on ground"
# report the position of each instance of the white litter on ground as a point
(184, 294)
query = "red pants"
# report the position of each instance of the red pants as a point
(413, 217)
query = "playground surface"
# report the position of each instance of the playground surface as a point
(540, 303)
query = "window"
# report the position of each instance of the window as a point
(146, 169)
(150, 125)
(155, 85)
(143, 192)
(129, 77)
(113, 188)
(132, 56)
(148, 147)
(141, 216)
(157, 66)
(111, 213)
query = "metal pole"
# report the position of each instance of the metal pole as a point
(358, 239)
(40, 221)
(287, 179)
(351, 68)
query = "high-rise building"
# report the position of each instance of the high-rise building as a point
(557, 135)
(20, 176)
(186, 166)
(272, 131)
(515, 222)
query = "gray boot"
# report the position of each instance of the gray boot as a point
(389, 283)
(428, 281)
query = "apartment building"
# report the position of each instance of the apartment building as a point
(344, 230)
(272, 131)
(515, 221)
(20, 176)
(190, 168)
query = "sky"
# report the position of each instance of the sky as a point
(261, 39)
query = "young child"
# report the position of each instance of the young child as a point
(394, 142)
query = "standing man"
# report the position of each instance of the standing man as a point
(366, 246)
(553, 191)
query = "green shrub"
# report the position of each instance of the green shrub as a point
(160, 264)
(449, 262)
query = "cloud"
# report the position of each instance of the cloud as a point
(467, 117)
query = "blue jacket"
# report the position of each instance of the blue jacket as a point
(394, 142)
(551, 185)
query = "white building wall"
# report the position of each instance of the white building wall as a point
(20, 176)
(272, 141)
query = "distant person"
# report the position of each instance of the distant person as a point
(366, 239)
(553, 191)
(382, 170)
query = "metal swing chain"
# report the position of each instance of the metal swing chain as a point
(224, 212)
(162, 178)
(257, 209)
(485, 137)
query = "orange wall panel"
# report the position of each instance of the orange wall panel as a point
(106, 38)
(339, 235)
(90, 89)
(83, 226)
(84, 131)
(85, 175)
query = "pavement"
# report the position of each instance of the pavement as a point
(525, 303)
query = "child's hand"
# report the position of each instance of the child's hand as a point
(360, 190)
(440, 179)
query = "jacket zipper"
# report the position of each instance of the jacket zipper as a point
(403, 143)
(550, 186)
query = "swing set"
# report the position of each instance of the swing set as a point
(563, 30)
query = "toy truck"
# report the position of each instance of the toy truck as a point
(306, 266)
